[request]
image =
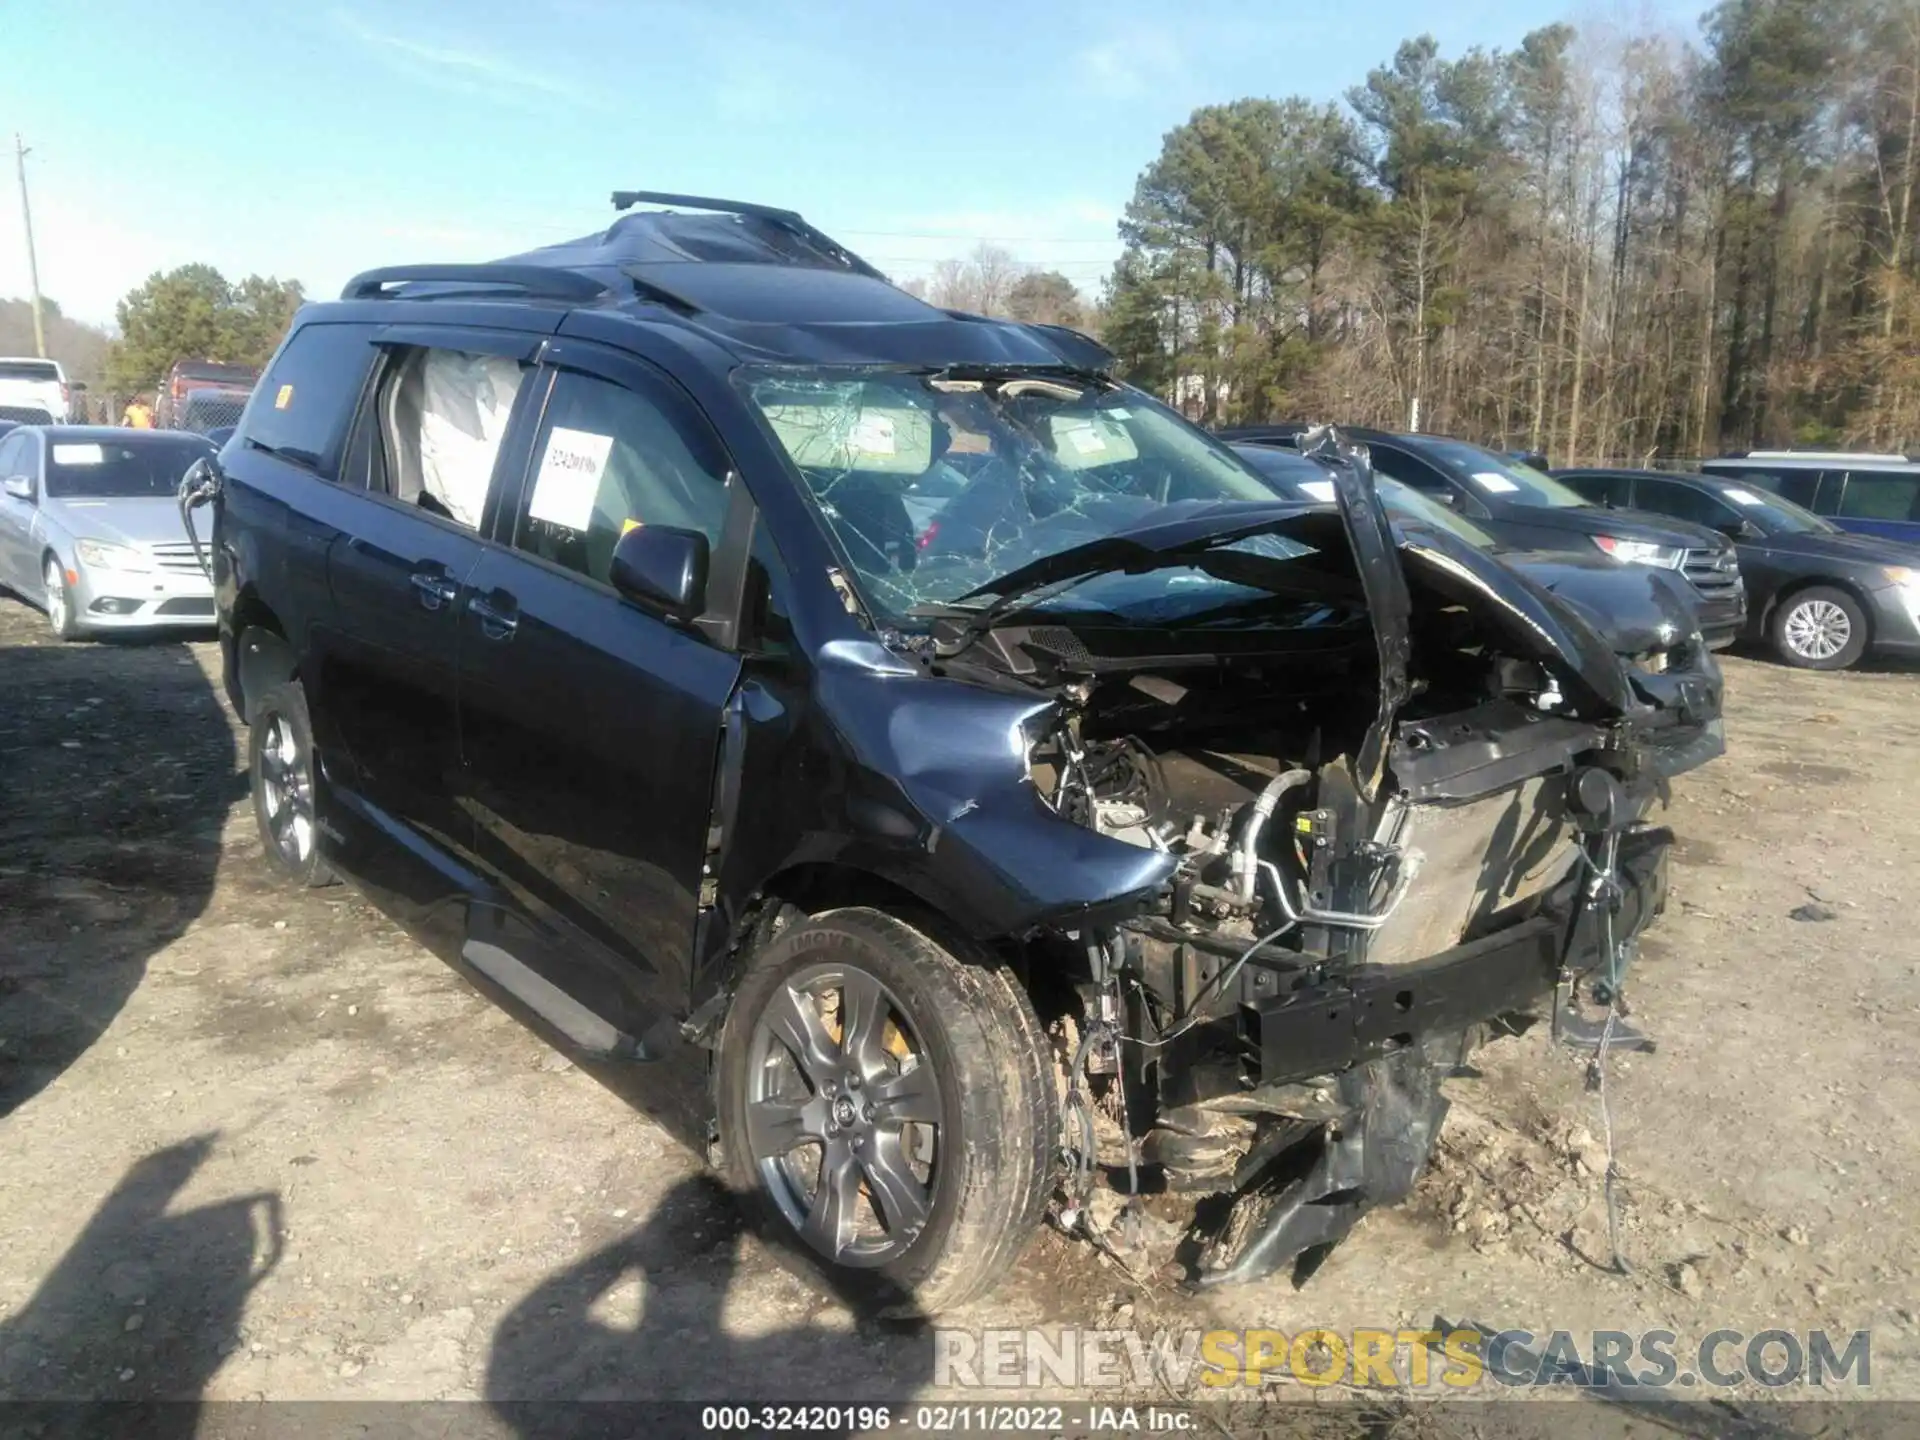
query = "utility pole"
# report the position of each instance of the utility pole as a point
(20, 153)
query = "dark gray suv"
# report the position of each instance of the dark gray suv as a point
(963, 768)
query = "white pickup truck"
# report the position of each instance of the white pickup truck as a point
(32, 391)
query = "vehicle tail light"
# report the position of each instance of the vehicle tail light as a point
(926, 535)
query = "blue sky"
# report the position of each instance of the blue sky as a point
(312, 141)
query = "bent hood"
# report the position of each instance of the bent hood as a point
(1634, 608)
(1389, 601)
(1172, 532)
(1538, 623)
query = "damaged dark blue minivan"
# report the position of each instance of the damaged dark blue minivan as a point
(717, 653)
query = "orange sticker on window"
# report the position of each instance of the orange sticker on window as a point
(629, 525)
(284, 398)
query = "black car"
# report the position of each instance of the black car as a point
(1649, 616)
(1820, 596)
(1525, 509)
(577, 612)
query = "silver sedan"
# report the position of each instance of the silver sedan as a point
(90, 528)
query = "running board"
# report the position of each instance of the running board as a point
(591, 1034)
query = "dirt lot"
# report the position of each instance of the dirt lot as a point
(257, 1144)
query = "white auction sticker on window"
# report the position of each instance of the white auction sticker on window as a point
(1742, 497)
(79, 455)
(873, 435)
(1318, 489)
(569, 478)
(1493, 480)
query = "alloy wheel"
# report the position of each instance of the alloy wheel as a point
(843, 1114)
(286, 785)
(56, 599)
(1818, 629)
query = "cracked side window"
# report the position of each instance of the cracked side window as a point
(933, 484)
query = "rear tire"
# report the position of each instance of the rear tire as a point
(861, 1055)
(59, 603)
(280, 766)
(1820, 628)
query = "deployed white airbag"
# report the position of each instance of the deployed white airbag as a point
(465, 401)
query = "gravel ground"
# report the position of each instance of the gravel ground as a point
(256, 1143)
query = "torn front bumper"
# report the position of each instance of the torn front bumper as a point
(1380, 1040)
(1685, 730)
(1348, 1019)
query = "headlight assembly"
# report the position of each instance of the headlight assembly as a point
(99, 555)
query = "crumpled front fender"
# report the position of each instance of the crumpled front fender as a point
(937, 786)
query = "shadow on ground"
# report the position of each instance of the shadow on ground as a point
(648, 1318)
(109, 841)
(144, 1303)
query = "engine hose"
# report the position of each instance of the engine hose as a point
(1077, 1103)
(1246, 864)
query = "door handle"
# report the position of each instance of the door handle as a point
(496, 623)
(434, 589)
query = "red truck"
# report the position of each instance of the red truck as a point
(189, 376)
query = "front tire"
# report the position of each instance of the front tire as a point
(885, 1113)
(280, 766)
(1820, 628)
(60, 618)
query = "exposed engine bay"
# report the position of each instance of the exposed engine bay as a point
(1337, 932)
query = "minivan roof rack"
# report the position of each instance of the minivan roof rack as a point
(788, 220)
(537, 281)
(1820, 455)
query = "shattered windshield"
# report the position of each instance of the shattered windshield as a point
(935, 484)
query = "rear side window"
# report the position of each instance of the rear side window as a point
(302, 407)
(1803, 487)
(1408, 470)
(1682, 502)
(13, 457)
(215, 374)
(1872, 495)
(442, 415)
(607, 459)
(1602, 489)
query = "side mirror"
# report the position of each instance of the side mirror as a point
(201, 482)
(19, 487)
(662, 569)
(1741, 529)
